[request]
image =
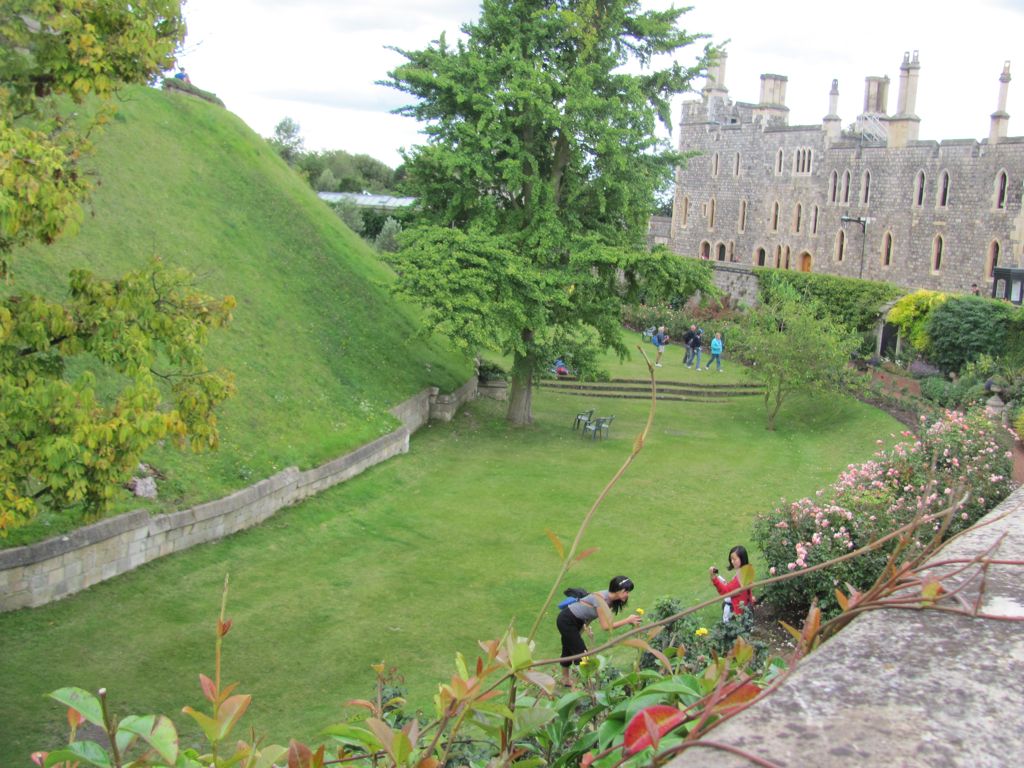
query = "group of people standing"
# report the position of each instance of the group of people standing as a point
(693, 343)
(578, 614)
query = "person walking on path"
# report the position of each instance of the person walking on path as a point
(659, 339)
(693, 339)
(574, 617)
(735, 604)
(716, 352)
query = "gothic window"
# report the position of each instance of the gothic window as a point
(833, 186)
(797, 215)
(887, 250)
(993, 259)
(943, 199)
(919, 189)
(840, 245)
(760, 257)
(866, 188)
(778, 256)
(711, 214)
(705, 250)
(786, 259)
(937, 254)
(775, 216)
(846, 187)
(814, 221)
(714, 165)
(686, 210)
(736, 169)
(721, 251)
(732, 250)
(808, 160)
(778, 162)
(743, 216)
(1001, 184)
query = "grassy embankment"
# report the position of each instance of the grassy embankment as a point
(320, 349)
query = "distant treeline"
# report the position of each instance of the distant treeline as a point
(333, 170)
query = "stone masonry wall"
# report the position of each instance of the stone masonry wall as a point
(50, 570)
(726, 197)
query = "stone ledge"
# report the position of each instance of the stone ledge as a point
(899, 687)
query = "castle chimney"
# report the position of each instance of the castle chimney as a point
(1000, 118)
(904, 126)
(832, 124)
(876, 95)
(715, 85)
(772, 106)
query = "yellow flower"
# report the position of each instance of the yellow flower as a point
(639, 611)
(584, 661)
(701, 632)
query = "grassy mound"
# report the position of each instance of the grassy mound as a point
(319, 347)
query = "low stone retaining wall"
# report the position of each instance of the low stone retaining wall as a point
(905, 687)
(40, 573)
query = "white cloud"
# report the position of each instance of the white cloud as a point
(318, 61)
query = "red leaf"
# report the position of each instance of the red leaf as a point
(299, 755)
(209, 689)
(75, 718)
(648, 725)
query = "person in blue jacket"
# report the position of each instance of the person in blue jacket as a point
(716, 352)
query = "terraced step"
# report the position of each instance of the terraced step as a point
(640, 389)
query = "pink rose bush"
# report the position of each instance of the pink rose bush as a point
(926, 472)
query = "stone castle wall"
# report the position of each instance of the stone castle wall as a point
(761, 191)
(40, 573)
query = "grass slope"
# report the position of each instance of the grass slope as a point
(425, 555)
(319, 347)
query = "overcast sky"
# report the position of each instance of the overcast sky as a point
(317, 61)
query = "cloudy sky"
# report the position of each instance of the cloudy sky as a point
(317, 61)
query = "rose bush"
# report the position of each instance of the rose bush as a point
(950, 456)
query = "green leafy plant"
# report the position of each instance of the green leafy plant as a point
(963, 328)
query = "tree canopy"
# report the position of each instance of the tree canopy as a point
(539, 176)
(86, 385)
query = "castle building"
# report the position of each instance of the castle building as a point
(872, 201)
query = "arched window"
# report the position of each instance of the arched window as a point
(1002, 182)
(721, 251)
(778, 256)
(937, 253)
(714, 165)
(887, 250)
(943, 199)
(833, 186)
(711, 214)
(866, 188)
(846, 187)
(814, 221)
(840, 245)
(797, 216)
(919, 189)
(808, 160)
(736, 169)
(705, 250)
(993, 260)
(786, 258)
(778, 162)
(760, 257)
(732, 250)
(686, 210)
(775, 216)
(743, 216)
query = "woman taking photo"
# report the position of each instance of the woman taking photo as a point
(736, 603)
(575, 616)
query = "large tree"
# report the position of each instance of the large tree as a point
(539, 176)
(87, 384)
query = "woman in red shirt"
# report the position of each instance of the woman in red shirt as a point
(736, 603)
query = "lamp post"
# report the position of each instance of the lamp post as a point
(863, 221)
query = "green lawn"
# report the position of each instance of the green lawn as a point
(424, 556)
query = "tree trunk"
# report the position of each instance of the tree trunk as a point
(520, 399)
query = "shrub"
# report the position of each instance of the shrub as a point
(854, 304)
(964, 328)
(923, 474)
(490, 371)
(936, 389)
(911, 312)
